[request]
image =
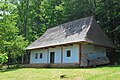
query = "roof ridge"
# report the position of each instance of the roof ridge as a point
(91, 21)
(70, 22)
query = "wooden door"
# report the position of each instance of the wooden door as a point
(52, 56)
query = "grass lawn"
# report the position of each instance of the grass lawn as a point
(100, 73)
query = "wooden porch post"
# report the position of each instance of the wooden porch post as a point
(48, 55)
(61, 54)
(79, 54)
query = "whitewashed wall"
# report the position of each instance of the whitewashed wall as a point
(57, 59)
(74, 54)
(87, 52)
(96, 51)
(38, 60)
(90, 52)
(57, 56)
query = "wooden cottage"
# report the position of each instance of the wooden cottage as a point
(74, 44)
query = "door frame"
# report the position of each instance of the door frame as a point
(52, 57)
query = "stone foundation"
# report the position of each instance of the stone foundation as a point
(65, 65)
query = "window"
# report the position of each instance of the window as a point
(68, 53)
(36, 55)
(40, 55)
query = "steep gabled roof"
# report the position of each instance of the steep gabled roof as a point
(85, 29)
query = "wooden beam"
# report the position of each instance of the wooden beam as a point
(79, 54)
(48, 55)
(44, 48)
(61, 54)
(52, 46)
(68, 44)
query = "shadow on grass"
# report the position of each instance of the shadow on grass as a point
(8, 70)
(101, 66)
(110, 66)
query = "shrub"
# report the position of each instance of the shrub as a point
(3, 58)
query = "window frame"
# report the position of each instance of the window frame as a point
(36, 55)
(41, 55)
(68, 53)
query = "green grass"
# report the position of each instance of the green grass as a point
(100, 73)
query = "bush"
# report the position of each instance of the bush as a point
(3, 58)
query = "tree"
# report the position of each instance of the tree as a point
(108, 15)
(11, 43)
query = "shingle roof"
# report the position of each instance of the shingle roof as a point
(85, 29)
